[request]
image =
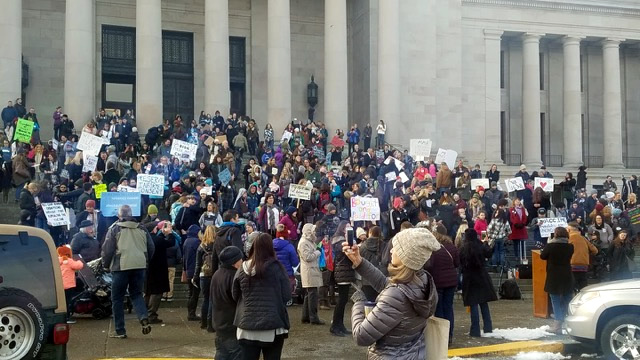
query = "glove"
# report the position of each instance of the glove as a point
(358, 296)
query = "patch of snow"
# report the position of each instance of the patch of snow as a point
(537, 355)
(588, 355)
(459, 358)
(519, 334)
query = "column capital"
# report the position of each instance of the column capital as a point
(532, 37)
(572, 39)
(493, 34)
(612, 42)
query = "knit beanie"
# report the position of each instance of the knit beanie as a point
(230, 255)
(414, 247)
(152, 210)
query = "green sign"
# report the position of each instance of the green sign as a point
(23, 131)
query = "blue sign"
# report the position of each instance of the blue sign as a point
(112, 201)
(225, 177)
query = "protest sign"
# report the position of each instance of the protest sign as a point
(23, 132)
(399, 164)
(548, 225)
(225, 177)
(221, 138)
(112, 201)
(99, 190)
(123, 188)
(420, 148)
(55, 214)
(545, 183)
(634, 216)
(89, 162)
(91, 144)
(274, 171)
(299, 192)
(390, 176)
(183, 150)
(447, 156)
(514, 184)
(365, 209)
(150, 184)
(403, 177)
(207, 190)
(479, 182)
(209, 141)
(55, 144)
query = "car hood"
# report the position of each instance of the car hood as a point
(614, 285)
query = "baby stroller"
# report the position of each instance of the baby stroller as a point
(599, 262)
(94, 295)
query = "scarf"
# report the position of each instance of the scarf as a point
(272, 218)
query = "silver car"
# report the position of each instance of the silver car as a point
(608, 315)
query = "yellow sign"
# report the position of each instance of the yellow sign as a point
(99, 189)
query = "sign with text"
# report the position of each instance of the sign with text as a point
(225, 177)
(99, 190)
(447, 156)
(89, 162)
(23, 132)
(123, 188)
(299, 192)
(365, 209)
(515, 184)
(479, 182)
(183, 150)
(150, 184)
(112, 201)
(55, 214)
(420, 148)
(548, 225)
(545, 183)
(91, 144)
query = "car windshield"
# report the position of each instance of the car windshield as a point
(27, 266)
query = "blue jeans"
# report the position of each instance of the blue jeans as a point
(134, 281)
(42, 224)
(444, 309)
(498, 253)
(206, 310)
(560, 305)
(19, 189)
(475, 319)
(380, 140)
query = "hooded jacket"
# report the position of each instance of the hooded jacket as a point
(85, 246)
(221, 295)
(395, 327)
(127, 246)
(229, 234)
(286, 254)
(190, 250)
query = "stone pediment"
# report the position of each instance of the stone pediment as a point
(613, 7)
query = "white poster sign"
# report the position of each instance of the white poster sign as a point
(420, 148)
(514, 184)
(447, 156)
(122, 188)
(55, 214)
(91, 144)
(545, 183)
(391, 176)
(479, 182)
(89, 162)
(299, 192)
(548, 225)
(150, 184)
(365, 209)
(403, 177)
(207, 190)
(183, 150)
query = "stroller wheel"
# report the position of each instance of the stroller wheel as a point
(98, 314)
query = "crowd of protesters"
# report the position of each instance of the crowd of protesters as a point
(210, 226)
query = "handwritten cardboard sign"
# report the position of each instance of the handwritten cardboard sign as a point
(183, 150)
(420, 148)
(91, 144)
(447, 156)
(548, 225)
(514, 184)
(365, 209)
(55, 214)
(23, 132)
(150, 184)
(545, 183)
(299, 192)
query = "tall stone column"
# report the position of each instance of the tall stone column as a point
(336, 91)
(389, 68)
(10, 51)
(492, 138)
(79, 60)
(572, 102)
(216, 54)
(148, 64)
(279, 63)
(531, 133)
(612, 103)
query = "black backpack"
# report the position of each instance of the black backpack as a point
(510, 290)
(207, 262)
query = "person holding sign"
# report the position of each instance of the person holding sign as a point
(559, 282)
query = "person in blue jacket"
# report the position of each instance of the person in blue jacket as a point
(286, 254)
(189, 251)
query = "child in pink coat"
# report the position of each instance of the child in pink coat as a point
(68, 266)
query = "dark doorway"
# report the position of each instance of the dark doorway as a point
(237, 75)
(118, 67)
(177, 75)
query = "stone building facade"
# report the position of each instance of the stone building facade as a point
(500, 81)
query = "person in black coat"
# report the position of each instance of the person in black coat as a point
(559, 283)
(343, 275)
(262, 289)
(620, 253)
(581, 181)
(477, 288)
(188, 215)
(224, 306)
(28, 203)
(158, 271)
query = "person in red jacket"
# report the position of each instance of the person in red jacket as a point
(291, 224)
(518, 218)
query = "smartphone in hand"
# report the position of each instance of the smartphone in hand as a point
(350, 235)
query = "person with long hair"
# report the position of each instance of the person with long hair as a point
(620, 256)
(261, 288)
(477, 287)
(343, 276)
(497, 233)
(559, 282)
(203, 273)
(606, 233)
(310, 274)
(269, 215)
(518, 217)
(394, 327)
